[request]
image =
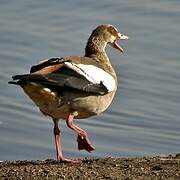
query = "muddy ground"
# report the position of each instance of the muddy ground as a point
(107, 168)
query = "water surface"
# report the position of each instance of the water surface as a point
(144, 117)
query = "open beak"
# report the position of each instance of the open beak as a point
(116, 45)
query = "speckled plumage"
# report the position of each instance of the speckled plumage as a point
(67, 88)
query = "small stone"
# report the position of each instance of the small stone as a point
(157, 168)
(177, 155)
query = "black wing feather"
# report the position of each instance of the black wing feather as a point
(49, 62)
(62, 79)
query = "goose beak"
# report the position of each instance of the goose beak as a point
(122, 37)
(116, 45)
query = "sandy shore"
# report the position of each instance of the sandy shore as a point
(107, 168)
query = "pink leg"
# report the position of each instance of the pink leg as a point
(82, 139)
(57, 135)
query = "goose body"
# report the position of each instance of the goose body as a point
(73, 86)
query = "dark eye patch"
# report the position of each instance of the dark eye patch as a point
(112, 30)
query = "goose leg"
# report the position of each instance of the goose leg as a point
(82, 139)
(57, 136)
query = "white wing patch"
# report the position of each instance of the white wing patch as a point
(94, 74)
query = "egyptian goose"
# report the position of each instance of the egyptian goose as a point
(75, 87)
